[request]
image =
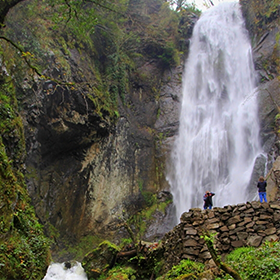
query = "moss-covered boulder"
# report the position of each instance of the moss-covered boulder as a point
(100, 260)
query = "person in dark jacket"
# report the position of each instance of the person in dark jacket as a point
(262, 189)
(208, 200)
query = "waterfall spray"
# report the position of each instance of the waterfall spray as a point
(218, 137)
(60, 271)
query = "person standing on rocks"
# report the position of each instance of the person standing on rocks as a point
(208, 203)
(262, 189)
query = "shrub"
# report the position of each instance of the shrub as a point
(185, 267)
(257, 263)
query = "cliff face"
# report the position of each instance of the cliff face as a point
(262, 21)
(92, 163)
(24, 250)
(86, 174)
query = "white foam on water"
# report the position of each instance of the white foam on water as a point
(58, 271)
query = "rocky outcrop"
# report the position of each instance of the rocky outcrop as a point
(86, 173)
(249, 224)
(87, 166)
(273, 181)
(262, 22)
(99, 260)
(85, 169)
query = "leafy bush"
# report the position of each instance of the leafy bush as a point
(257, 263)
(185, 267)
(121, 273)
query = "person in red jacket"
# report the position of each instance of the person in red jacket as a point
(262, 189)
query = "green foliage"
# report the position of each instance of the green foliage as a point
(111, 49)
(25, 255)
(83, 247)
(257, 263)
(120, 273)
(51, 37)
(185, 267)
(150, 198)
(260, 14)
(125, 241)
(24, 250)
(99, 260)
(117, 74)
(114, 37)
(170, 56)
(140, 220)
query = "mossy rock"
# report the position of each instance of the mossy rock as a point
(189, 276)
(122, 273)
(100, 259)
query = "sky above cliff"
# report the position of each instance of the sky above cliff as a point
(200, 4)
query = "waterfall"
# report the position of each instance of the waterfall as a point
(218, 138)
(65, 271)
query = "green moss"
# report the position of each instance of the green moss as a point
(99, 260)
(185, 267)
(85, 245)
(120, 273)
(24, 250)
(145, 216)
(260, 14)
(125, 241)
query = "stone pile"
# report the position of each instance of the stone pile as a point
(249, 224)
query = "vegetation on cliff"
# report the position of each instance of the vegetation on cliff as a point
(261, 18)
(24, 251)
(116, 37)
(111, 40)
(259, 14)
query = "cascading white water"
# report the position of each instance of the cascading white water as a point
(58, 271)
(218, 137)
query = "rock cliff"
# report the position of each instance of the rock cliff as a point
(89, 167)
(262, 22)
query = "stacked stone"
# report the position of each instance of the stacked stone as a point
(173, 246)
(249, 224)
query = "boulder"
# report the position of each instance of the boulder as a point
(100, 259)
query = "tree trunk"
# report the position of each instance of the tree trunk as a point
(218, 262)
